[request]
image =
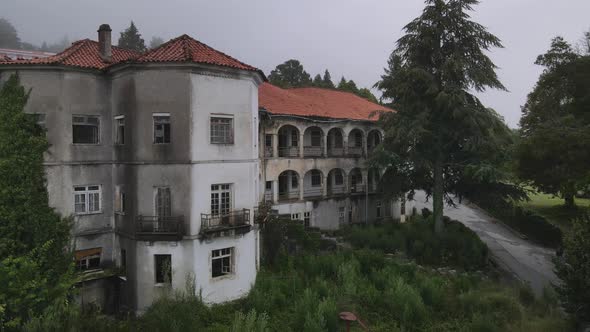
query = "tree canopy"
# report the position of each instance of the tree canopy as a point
(554, 150)
(8, 35)
(290, 75)
(131, 39)
(34, 266)
(155, 42)
(442, 139)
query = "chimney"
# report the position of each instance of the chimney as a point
(104, 42)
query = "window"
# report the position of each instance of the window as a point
(161, 128)
(316, 138)
(341, 211)
(403, 206)
(294, 138)
(294, 182)
(268, 186)
(120, 129)
(358, 139)
(222, 262)
(296, 216)
(222, 131)
(119, 200)
(338, 179)
(163, 202)
(378, 209)
(316, 179)
(268, 140)
(220, 199)
(88, 259)
(306, 218)
(87, 199)
(85, 129)
(163, 269)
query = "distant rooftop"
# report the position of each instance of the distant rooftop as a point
(12, 54)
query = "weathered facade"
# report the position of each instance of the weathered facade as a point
(162, 157)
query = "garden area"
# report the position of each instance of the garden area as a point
(553, 209)
(304, 288)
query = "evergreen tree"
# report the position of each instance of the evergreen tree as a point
(290, 75)
(155, 42)
(554, 150)
(35, 270)
(131, 39)
(367, 94)
(317, 81)
(327, 80)
(442, 139)
(8, 35)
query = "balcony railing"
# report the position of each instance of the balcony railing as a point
(355, 151)
(288, 151)
(313, 151)
(357, 188)
(155, 228)
(312, 192)
(335, 152)
(237, 219)
(337, 190)
(289, 195)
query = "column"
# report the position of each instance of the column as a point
(275, 145)
(345, 144)
(275, 191)
(301, 145)
(325, 181)
(301, 187)
(325, 147)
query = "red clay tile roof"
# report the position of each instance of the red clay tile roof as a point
(187, 49)
(317, 102)
(82, 54)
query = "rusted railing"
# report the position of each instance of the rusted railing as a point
(313, 151)
(232, 219)
(289, 151)
(155, 228)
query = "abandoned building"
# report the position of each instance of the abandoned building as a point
(162, 157)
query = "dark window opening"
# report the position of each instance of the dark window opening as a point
(221, 262)
(338, 179)
(316, 179)
(85, 129)
(163, 269)
(161, 129)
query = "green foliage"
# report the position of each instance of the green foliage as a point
(553, 152)
(281, 236)
(457, 246)
(8, 35)
(35, 271)
(327, 80)
(250, 322)
(155, 42)
(429, 81)
(290, 75)
(574, 270)
(131, 39)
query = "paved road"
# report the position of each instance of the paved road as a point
(527, 261)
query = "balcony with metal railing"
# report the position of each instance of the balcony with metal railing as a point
(289, 152)
(358, 188)
(335, 152)
(313, 192)
(157, 228)
(336, 190)
(236, 220)
(288, 195)
(313, 151)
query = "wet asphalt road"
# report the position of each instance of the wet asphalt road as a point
(525, 260)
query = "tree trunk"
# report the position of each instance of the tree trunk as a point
(569, 191)
(437, 196)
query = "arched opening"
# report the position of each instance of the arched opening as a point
(355, 143)
(373, 140)
(313, 184)
(288, 141)
(373, 179)
(335, 142)
(288, 186)
(336, 183)
(313, 142)
(355, 180)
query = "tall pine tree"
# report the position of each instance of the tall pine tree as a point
(441, 136)
(327, 80)
(131, 39)
(35, 270)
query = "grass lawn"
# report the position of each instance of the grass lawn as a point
(552, 208)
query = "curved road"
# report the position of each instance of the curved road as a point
(525, 260)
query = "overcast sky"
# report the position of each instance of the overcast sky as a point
(349, 37)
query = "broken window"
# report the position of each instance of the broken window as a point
(88, 259)
(268, 186)
(163, 269)
(87, 199)
(39, 119)
(222, 131)
(220, 199)
(161, 128)
(296, 216)
(338, 178)
(222, 262)
(268, 140)
(163, 202)
(85, 129)
(120, 129)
